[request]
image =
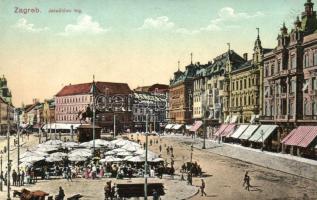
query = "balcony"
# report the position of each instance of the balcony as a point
(310, 117)
(282, 117)
(267, 118)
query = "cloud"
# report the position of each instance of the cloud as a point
(84, 25)
(159, 23)
(226, 17)
(23, 24)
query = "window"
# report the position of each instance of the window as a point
(306, 61)
(291, 109)
(221, 85)
(314, 108)
(266, 72)
(232, 85)
(245, 83)
(279, 65)
(293, 86)
(240, 84)
(314, 85)
(293, 61)
(272, 70)
(315, 57)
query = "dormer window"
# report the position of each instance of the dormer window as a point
(306, 60)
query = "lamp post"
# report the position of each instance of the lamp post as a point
(18, 157)
(1, 177)
(114, 125)
(146, 151)
(93, 116)
(262, 134)
(9, 161)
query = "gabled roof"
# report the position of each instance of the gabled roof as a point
(188, 74)
(243, 66)
(102, 87)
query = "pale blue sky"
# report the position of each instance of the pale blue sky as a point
(133, 41)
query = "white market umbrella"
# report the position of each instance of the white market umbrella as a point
(25, 164)
(100, 142)
(81, 152)
(53, 142)
(77, 158)
(53, 159)
(108, 153)
(130, 147)
(110, 159)
(32, 153)
(89, 145)
(121, 142)
(127, 157)
(119, 150)
(58, 154)
(150, 155)
(136, 159)
(140, 152)
(46, 149)
(32, 159)
(157, 160)
(124, 153)
(70, 144)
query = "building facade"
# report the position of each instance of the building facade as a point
(113, 104)
(290, 75)
(181, 94)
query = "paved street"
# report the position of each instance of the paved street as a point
(224, 176)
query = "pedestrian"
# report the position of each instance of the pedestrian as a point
(69, 174)
(171, 149)
(144, 145)
(14, 177)
(61, 194)
(248, 183)
(151, 142)
(160, 147)
(189, 179)
(155, 195)
(19, 179)
(202, 188)
(22, 178)
(168, 150)
(245, 178)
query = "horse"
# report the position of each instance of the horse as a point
(35, 195)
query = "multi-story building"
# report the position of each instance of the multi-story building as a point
(290, 75)
(217, 84)
(246, 86)
(152, 105)
(113, 107)
(180, 95)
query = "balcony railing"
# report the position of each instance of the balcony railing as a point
(310, 117)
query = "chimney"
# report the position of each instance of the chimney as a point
(245, 56)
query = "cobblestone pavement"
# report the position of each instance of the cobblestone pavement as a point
(224, 175)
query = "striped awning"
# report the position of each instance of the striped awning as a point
(239, 131)
(298, 135)
(221, 129)
(309, 138)
(196, 126)
(248, 132)
(188, 127)
(229, 130)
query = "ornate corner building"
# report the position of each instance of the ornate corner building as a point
(290, 72)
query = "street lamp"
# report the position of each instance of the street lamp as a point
(262, 134)
(146, 151)
(1, 178)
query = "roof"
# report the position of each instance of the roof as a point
(244, 65)
(188, 74)
(102, 87)
(219, 64)
(160, 88)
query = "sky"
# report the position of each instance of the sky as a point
(138, 42)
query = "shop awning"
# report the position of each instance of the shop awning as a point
(196, 126)
(177, 126)
(188, 127)
(288, 136)
(221, 129)
(266, 130)
(239, 131)
(309, 138)
(60, 126)
(169, 126)
(248, 132)
(298, 135)
(229, 130)
(234, 119)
